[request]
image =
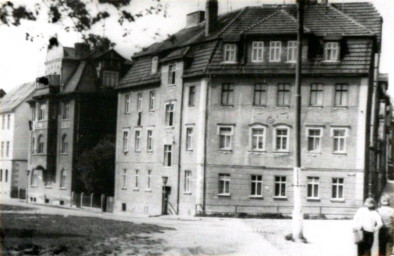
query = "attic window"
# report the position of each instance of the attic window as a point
(110, 78)
(155, 64)
(230, 53)
(331, 51)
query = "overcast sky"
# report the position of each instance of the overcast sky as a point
(22, 61)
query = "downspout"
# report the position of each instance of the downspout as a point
(205, 145)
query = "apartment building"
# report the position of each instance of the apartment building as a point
(72, 108)
(205, 118)
(14, 130)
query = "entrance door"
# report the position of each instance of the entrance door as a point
(166, 193)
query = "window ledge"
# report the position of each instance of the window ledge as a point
(189, 151)
(124, 188)
(34, 186)
(136, 189)
(224, 195)
(137, 152)
(257, 152)
(171, 85)
(291, 62)
(331, 61)
(259, 106)
(281, 152)
(191, 106)
(226, 106)
(280, 197)
(315, 107)
(339, 153)
(257, 61)
(338, 200)
(126, 113)
(283, 107)
(312, 199)
(340, 107)
(48, 187)
(151, 111)
(148, 190)
(63, 154)
(229, 63)
(169, 127)
(274, 61)
(313, 154)
(187, 193)
(225, 151)
(149, 152)
(256, 197)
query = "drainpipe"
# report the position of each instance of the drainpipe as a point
(205, 144)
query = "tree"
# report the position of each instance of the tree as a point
(96, 168)
(77, 15)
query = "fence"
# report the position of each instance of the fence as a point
(92, 201)
(19, 193)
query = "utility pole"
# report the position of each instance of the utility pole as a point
(297, 233)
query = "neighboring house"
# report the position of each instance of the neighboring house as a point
(73, 107)
(205, 118)
(14, 133)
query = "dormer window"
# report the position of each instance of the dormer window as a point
(257, 52)
(230, 53)
(275, 51)
(291, 51)
(110, 78)
(331, 51)
(155, 64)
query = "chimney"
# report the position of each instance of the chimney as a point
(82, 50)
(212, 16)
(194, 18)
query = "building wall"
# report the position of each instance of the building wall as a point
(6, 155)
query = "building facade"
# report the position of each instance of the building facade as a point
(72, 108)
(205, 118)
(14, 130)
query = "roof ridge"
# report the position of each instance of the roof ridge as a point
(291, 17)
(232, 21)
(261, 21)
(351, 19)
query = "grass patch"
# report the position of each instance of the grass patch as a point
(36, 234)
(8, 207)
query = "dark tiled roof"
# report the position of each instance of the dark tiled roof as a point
(16, 96)
(140, 73)
(72, 84)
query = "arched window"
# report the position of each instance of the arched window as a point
(6, 175)
(63, 178)
(64, 145)
(35, 177)
(40, 142)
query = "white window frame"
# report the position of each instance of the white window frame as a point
(39, 143)
(257, 51)
(227, 94)
(343, 137)
(136, 179)
(315, 138)
(191, 96)
(314, 183)
(42, 109)
(282, 127)
(229, 53)
(292, 51)
(260, 94)
(187, 182)
(65, 110)
(316, 93)
(167, 159)
(7, 149)
(275, 51)
(149, 140)
(64, 144)
(344, 89)
(127, 101)
(169, 114)
(172, 74)
(155, 65)
(149, 180)
(124, 179)
(258, 137)
(331, 51)
(137, 140)
(224, 178)
(189, 138)
(283, 95)
(139, 102)
(281, 182)
(125, 140)
(228, 138)
(337, 183)
(152, 100)
(256, 180)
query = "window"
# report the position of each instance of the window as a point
(137, 143)
(331, 51)
(66, 110)
(6, 175)
(40, 142)
(313, 187)
(41, 111)
(2, 148)
(1, 174)
(314, 139)
(64, 146)
(337, 188)
(152, 101)
(339, 139)
(225, 137)
(230, 53)
(139, 102)
(258, 139)
(33, 145)
(136, 180)
(3, 122)
(316, 98)
(148, 180)
(257, 52)
(280, 186)
(8, 121)
(149, 141)
(155, 64)
(110, 78)
(341, 95)
(124, 179)
(125, 140)
(189, 138)
(169, 117)
(260, 94)
(171, 74)
(167, 155)
(257, 186)
(283, 95)
(35, 177)
(7, 149)
(127, 104)
(188, 175)
(192, 94)
(292, 51)
(33, 113)
(227, 96)
(281, 139)
(275, 51)
(63, 178)
(224, 184)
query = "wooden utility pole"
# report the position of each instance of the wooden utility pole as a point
(297, 210)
